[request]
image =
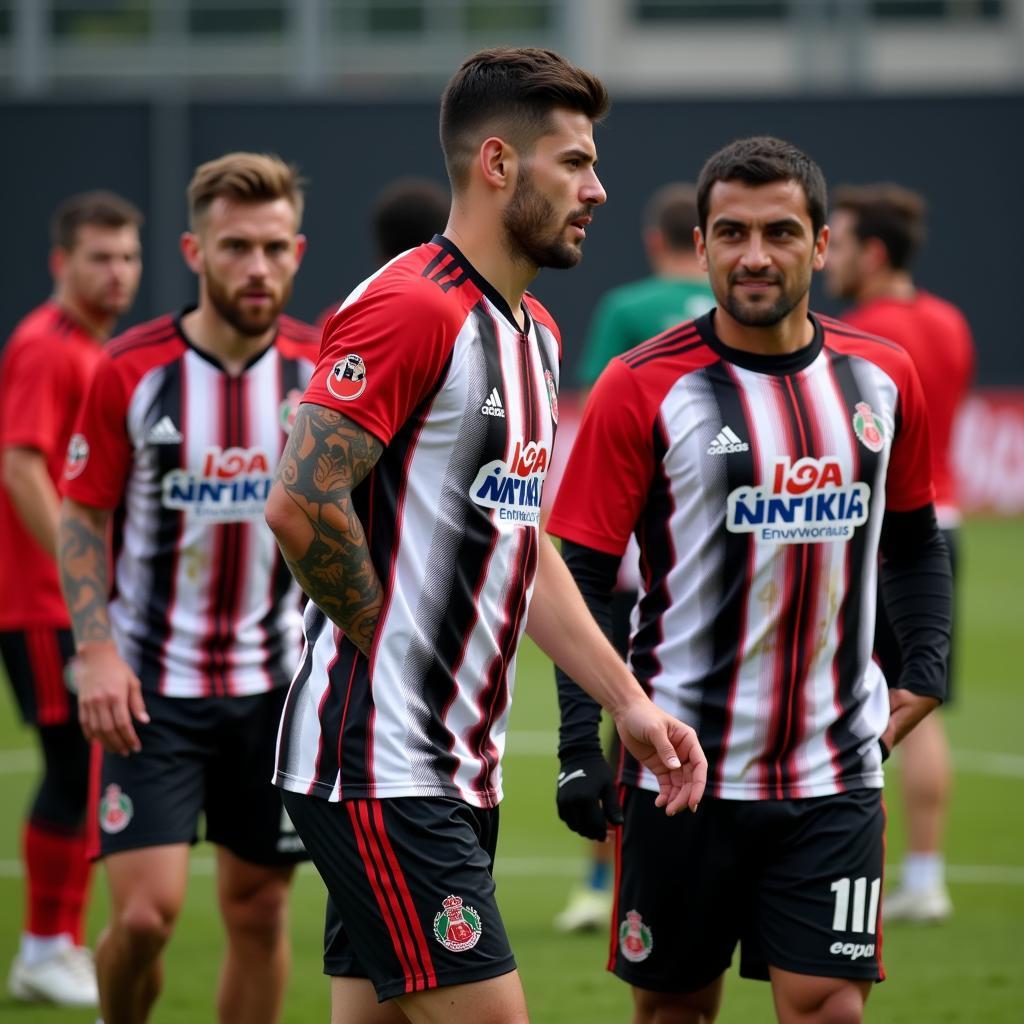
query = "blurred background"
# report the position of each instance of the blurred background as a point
(131, 94)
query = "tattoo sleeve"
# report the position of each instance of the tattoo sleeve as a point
(326, 458)
(82, 556)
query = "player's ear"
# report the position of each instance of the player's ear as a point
(701, 249)
(821, 248)
(497, 161)
(300, 248)
(57, 261)
(191, 252)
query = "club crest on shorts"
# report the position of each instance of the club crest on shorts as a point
(347, 379)
(116, 809)
(549, 380)
(868, 427)
(457, 927)
(288, 410)
(77, 456)
(635, 940)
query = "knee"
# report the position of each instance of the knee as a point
(260, 913)
(145, 926)
(843, 1007)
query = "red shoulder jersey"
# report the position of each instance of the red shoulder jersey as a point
(45, 371)
(938, 340)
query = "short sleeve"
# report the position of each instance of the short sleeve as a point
(383, 353)
(36, 384)
(100, 452)
(609, 471)
(909, 480)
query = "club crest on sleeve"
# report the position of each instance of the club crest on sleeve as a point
(116, 809)
(77, 456)
(868, 427)
(347, 379)
(549, 380)
(635, 939)
(457, 927)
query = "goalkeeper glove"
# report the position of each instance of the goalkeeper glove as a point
(586, 796)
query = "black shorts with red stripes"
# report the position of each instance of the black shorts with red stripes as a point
(200, 755)
(797, 883)
(36, 660)
(411, 901)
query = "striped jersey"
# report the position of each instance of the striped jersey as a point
(426, 356)
(755, 487)
(184, 453)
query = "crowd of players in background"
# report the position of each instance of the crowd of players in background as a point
(210, 610)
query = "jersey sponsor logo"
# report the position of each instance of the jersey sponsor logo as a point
(804, 503)
(116, 809)
(347, 379)
(853, 950)
(288, 410)
(513, 487)
(457, 927)
(231, 486)
(635, 939)
(868, 427)
(164, 432)
(492, 405)
(726, 442)
(549, 380)
(77, 456)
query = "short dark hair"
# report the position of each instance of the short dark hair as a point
(408, 212)
(892, 214)
(100, 208)
(763, 160)
(511, 91)
(246, 178)
(672, 210)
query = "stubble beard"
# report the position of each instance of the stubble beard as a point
(752, 315)
(528, 231)
(229, 308)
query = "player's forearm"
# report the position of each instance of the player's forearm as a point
(82, 558)
(566, 632)
(33, 495)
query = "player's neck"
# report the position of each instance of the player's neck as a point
(792, 333)
(209, 332)
(99, 325)
(887, 284)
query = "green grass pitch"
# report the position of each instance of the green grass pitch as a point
(969, 970)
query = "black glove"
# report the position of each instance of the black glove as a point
(586, 796)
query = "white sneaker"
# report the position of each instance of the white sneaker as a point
(67, 978)
(587, 910)
(920, 906)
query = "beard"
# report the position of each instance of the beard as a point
(529, 231)
(751, 314)
(231, 308)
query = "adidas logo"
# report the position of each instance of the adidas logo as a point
(164, 432)
(727, 441)
(492, 406)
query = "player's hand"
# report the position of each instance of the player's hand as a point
(109, 697)
(906, 709)
(586, 797)
(669, 749)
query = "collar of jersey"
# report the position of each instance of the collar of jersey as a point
(213, 360)
(484, 285)
(777, 366)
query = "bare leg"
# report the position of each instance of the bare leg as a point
(254, 905)
(700, 1007)
(353, 1001)
(806, 999)
(147, 888)
(496, 1001)
(926, 780)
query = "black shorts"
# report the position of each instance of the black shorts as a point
(796, 882)
(213, 755)
(411, 901)
(36, 660)
(887, 648)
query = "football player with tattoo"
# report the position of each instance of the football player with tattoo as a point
(408, 506)
(186, 650)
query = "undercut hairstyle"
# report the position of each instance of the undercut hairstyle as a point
(764, 160)
(99, 208)
(511, 93)
(244, 178)
(892, 214)
(408, 212)
(672, 210)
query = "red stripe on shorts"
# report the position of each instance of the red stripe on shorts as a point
(47, 667)
(92, 813)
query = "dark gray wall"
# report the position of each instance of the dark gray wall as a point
(964, 153)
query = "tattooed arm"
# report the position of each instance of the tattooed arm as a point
(310, 511)
(109, 693)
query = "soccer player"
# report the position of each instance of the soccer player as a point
(676, 290)
(182, 673)
(408, 506)
(407, 213)
(96, 262)
(876, 233)
(760, 454)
